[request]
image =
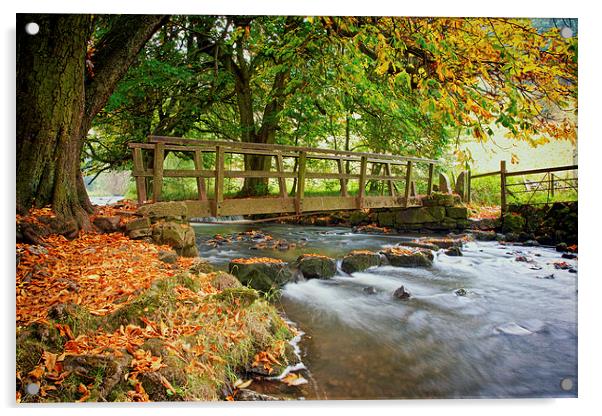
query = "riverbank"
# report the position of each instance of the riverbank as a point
(101, 317)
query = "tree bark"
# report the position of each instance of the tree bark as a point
(56, 102)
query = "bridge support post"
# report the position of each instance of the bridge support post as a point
(300, 182)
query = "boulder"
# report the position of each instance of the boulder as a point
(315, 266)
(107, 224)
(444, 185)
(461, 292)
(139, 234)
(439, 200)
(223, 280)
(137, 224)
(176, 235)
(401, 293)
(484, 235)
(201, 266)
(409, 257)
(442, 242)
(454, 251)
(428, 246)
(359, 260)
(170, 257)
(370, 290)
(261, 273)
(169, 211)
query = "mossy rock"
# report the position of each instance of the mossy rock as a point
(176, 235)
(419, 215)
(243, 296)
(172, 210)
(458, 213)
(420, 244)
(314, 266)
(359, 260)
(439, 199)
(201, 266)
(386, 219)
(358, 218)
(513, 223)
(264, 275)
(409, 257)
(223, 280)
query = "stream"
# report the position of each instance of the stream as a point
(514, 333)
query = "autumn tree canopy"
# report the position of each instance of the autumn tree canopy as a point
(384, 84)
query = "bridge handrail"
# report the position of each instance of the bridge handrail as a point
(218, 204)
(283, 148)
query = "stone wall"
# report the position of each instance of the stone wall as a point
(548, 224)
(439, 212)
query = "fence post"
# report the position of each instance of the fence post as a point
(408, 184)
(281, 179)
(219, 180)
(468, 186)
(503, 186)
(362, 185)
(552, 184)
(429, 189)
(300, 182)
(158, 171)
(140, 180)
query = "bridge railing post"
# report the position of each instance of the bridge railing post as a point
(343, 181)
(406, 200)
(219, 180)
(301, 170)
(158, 161)
(362, 182)
(138, 172)
(200, 182)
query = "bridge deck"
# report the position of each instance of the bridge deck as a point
(351, 166)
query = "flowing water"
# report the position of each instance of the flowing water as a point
(514, 334)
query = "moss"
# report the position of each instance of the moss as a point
(243, 296)
(513, 223)
(160, 297)
(188, 281)
(77, 317)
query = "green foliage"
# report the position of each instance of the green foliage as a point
(383, 84)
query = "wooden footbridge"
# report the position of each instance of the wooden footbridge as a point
(399, 178)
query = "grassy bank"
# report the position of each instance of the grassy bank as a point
(101, 318)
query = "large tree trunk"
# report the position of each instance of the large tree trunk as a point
(50, 107)
(56, 102)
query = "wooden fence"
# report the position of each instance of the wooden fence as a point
(282, 203)
(549, 183)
